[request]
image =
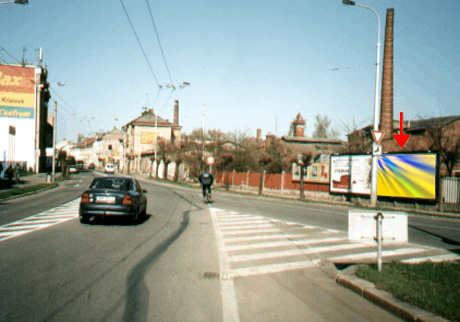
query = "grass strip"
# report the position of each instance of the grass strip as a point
(431, 286)
(26, 190)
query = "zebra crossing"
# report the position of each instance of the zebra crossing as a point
(63, 213)
(254, 244)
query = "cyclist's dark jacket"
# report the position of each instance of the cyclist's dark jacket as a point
(206, 179)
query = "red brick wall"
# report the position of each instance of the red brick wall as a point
(272, 181)
(254, 179)
(240, 178)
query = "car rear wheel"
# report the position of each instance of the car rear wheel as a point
(84, 220)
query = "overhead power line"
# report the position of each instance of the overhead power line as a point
(64, 101)
(17, 60)
(139, 43)
(159, 42)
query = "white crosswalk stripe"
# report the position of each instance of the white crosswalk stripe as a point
(253, 245)
(39, 221)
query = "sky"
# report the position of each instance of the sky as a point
(253, 64)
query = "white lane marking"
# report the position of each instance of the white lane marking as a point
(246, 222)
(385, 253)
(253, 231)
(295, 252)
(229, 305)
(49, 217)
(246, 227)
(39, 221)
(284, 243)
(273, 268)
(261, 237)
(238, 218)
(438, 258)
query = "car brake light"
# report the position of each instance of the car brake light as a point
(85, 198)
(127, 200)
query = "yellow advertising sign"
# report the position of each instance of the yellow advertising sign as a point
(17, 99)
(148, 137)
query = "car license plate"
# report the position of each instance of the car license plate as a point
(105, 199)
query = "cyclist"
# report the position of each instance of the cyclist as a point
(206, 181)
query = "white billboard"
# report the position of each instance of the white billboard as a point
(351, 174)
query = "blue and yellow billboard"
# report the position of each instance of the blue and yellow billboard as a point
(407, 176)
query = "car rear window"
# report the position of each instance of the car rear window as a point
(114, 184)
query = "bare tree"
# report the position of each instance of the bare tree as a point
(322, 130)
(359, 140)
(445, 140)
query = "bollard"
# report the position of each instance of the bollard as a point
(379, 218)
(48, 177)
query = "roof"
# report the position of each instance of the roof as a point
(298, 120)
(86, 143)
(114, 134)
(433, 122)
(148, 119)
(305, 140)
(418, 124)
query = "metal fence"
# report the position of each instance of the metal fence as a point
(451, 190)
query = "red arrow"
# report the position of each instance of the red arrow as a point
(401, 138)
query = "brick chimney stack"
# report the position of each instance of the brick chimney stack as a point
(259, 135)
(386, 103)
(176, 112)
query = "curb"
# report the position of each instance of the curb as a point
(384, 299)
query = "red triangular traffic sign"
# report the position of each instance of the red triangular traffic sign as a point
(378, 136)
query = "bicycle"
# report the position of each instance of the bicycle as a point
(207, 197)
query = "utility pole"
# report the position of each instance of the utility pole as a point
(53, 158)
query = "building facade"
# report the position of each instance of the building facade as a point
(24, 130)
(143, 134)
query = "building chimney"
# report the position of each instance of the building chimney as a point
(176, 112)
(259, 135)
(386, 103)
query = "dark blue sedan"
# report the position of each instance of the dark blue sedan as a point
(113, 196)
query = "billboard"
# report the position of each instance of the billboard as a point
(407, 176)
(350, 174)
(398, 175)
(148, 137)
(317, 172)
(17, 91)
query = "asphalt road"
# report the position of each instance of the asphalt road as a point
(173, 266)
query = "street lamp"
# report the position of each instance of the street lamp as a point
(376, 148)
(53, 158)
(204, 115)
(16, 1)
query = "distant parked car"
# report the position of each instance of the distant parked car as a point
(80, 165)
(113, 196)
(109, 168)
(73, 169)
(91, 166)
